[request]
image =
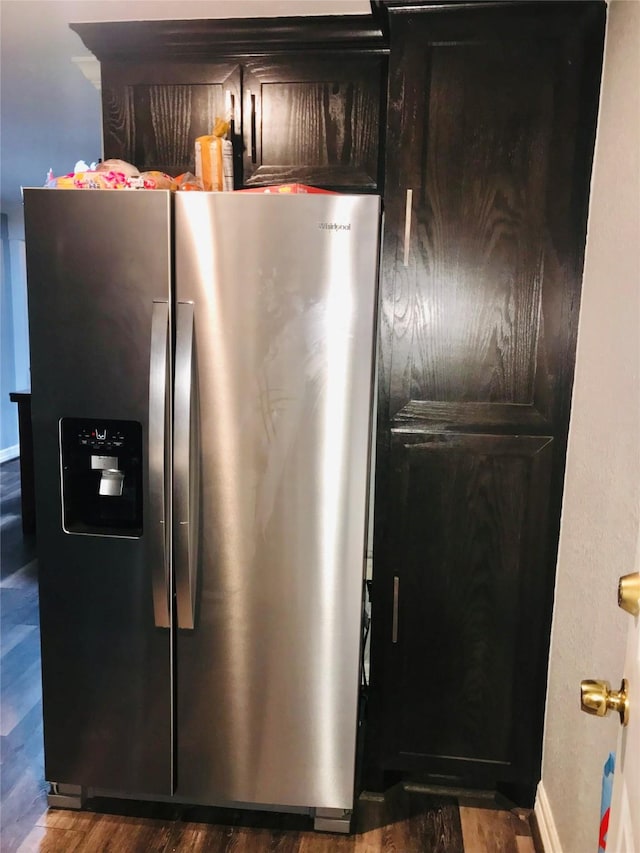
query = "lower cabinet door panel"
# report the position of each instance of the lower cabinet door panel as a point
(468, 533)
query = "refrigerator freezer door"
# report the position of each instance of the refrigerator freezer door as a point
(284, 297)
(96, 262)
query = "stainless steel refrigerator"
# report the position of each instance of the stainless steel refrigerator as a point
(201, 394)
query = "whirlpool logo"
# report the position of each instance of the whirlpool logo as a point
(335, 226)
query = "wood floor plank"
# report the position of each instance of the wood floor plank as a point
(521, 822)
(320, 842)
(246, 839)
(525, 844)
(369, 842)
(78, 821)
(25, 653)
(21, 752)
(487, 831)
(23, 578)
(119, 834)
(43, 839)
(15, 549)
(19, 606)
(20, 809)
(14, 635)
(202, 838)
(368, 821)
(198, 838)
(421, 822)
(19, 697)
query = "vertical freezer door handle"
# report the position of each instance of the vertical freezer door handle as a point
(186, 467)
(159, 424)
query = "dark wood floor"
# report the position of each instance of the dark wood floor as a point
(404, 820)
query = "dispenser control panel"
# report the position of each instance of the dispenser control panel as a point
(102, 476)
(102, 439)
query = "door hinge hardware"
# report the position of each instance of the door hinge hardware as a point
(629, 593)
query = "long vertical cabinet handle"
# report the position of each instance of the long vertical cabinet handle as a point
(159, 443)
(186, 468)
(407, 226)
(230, 105)
(254, 133)
(394, 621)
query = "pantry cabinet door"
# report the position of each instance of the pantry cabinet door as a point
(153, 112)
(469, 523)
(491, 119)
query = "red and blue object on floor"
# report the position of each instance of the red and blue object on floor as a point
(605, 802)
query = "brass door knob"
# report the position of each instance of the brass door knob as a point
(629, 593)
(597, 697)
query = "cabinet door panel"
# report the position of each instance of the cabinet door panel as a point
(169, 118)
(470, 527)
(316, 121)
(466, 321)
(153, 118)
(326, 124)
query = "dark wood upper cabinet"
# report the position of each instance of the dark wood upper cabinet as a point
(313, 119)
(154, 112)
(305, 96)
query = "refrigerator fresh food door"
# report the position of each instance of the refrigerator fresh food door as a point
(282, 291)
(98, 266)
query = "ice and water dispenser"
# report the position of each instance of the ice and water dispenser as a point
(101, 476)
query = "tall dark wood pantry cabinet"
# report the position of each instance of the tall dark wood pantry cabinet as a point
(491, 118)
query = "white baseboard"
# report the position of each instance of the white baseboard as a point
(10, 453)
(546, 824)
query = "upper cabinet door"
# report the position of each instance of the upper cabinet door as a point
(490, 124)
(315, 120)
(154, 111)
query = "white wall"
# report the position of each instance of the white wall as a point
(601, 513)
(149, 10)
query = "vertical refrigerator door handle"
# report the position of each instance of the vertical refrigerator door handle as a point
(158, 444)
(186, 468)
